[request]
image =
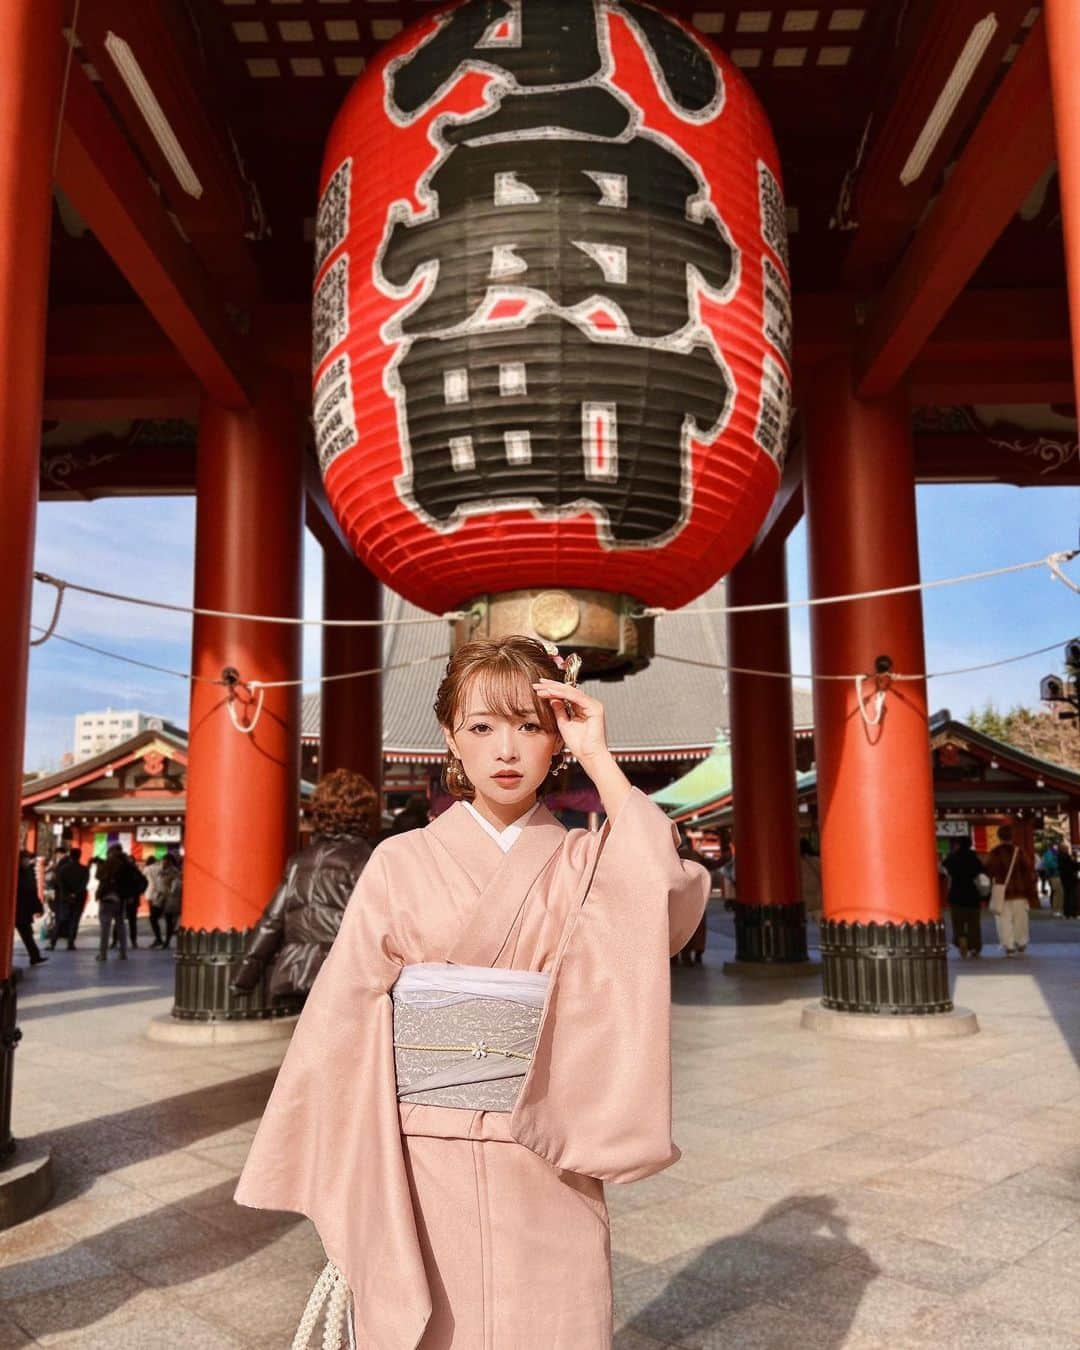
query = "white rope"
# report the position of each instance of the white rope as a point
(893, 675)
(247, 684)
(47, 633)
(450, 617)
(871, 719)
(253, 687)
(355, 674)
(1054, 564)
(1052, 561)
(130, 660)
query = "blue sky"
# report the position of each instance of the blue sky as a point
(144, 546)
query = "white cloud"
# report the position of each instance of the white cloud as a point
(142, 547)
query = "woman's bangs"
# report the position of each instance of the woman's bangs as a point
(507, 693)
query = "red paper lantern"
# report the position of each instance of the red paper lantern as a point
(552, 315)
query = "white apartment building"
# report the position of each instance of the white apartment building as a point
(98, 731)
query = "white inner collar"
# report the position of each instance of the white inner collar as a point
(505, 838)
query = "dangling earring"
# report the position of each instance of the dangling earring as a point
(558, 763)
(454, 776)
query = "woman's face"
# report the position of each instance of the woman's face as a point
(505, 758)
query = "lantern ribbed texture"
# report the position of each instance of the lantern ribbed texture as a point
(551, 326)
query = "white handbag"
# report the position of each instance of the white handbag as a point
(998, 889)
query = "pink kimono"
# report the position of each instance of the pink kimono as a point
(487, 1230)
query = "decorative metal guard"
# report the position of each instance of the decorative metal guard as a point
(206, 961)
(885, 967)
(769, 933)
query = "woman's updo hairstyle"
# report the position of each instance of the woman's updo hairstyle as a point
(495, 669)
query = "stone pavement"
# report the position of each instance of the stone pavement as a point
(831, 1194)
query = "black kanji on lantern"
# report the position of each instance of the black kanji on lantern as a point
(543, 415)
(572, 220)
(552, 193)
(555, 43)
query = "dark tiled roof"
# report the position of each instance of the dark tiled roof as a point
(666, 706)
(174, 737)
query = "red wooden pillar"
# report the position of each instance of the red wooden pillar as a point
(30, 50)
(883, 945)
(1063, 47)
(770, 923)
(242, 788)
(350, 728)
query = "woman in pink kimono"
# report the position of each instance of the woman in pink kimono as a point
(488, 1041)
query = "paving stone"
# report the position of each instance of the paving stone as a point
(12, 1336)
(927, 1265)
(762, 1326)
(49, 1313)
(1061, 1253)
(67, 1265)
(981, 1234)
(270, 1307)
(634, 1340)
(663, 1305)
(850, 1297)
(666, 1229)
(836, 1195)
(959, 1327)
(1018, 1294)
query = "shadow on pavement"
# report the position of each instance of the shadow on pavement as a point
(684, 1303)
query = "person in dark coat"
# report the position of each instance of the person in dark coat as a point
(693, 953)
(965, 902)
(28, 905)
(110, 870)
(71, 880)
(414, 815)
(301, 921)
(131, 882)
(1067, 871)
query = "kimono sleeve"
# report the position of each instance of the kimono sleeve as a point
(329, 1144)
(597, 1098)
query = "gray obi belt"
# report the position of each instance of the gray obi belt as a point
(464, 1035)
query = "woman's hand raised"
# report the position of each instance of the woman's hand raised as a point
(579, 717)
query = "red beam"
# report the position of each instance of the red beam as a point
(1008, 150)
(886, 210)
(159, 37)
(318, 517)
(94, 398)
(787, 508)
(991, 381)
(100, 173)
(999, 455)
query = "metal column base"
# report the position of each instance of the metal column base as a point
(26, 1175)
(10, 1035)
(769, 934)
(892, 968)
(206, 961)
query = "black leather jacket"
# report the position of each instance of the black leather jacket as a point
(302, 919)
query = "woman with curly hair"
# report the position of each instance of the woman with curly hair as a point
(304, 914)
(488, 1042)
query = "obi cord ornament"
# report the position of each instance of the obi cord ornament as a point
(552, 316)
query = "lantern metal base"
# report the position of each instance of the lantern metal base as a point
(600, 626)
